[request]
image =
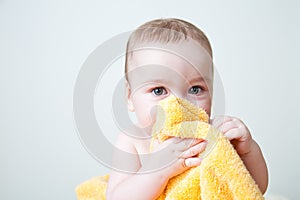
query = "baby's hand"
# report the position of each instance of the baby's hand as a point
(182, 154)
(236, 131)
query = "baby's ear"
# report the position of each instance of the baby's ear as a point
(128, 97)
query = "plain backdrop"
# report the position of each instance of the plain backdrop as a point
(43, 45)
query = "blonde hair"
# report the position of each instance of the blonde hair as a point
(165, 31)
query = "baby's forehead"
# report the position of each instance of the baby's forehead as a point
(164, 74)
(171, 62)
(156, 57)
(185, 51)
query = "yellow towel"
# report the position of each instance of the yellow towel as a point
(92, 189)
(221, 175)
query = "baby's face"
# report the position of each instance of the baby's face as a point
(183, 70)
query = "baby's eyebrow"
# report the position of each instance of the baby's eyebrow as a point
(200, 79)
(155, 81)
(167, 81)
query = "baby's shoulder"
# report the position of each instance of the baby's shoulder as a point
(133, 140)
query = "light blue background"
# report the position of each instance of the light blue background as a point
(44, 43)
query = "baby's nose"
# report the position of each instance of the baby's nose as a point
(184, 95)
(178, 94)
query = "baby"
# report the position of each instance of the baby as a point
(171, 57)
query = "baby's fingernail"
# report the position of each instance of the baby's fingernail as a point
(198, 161)
(193, 162)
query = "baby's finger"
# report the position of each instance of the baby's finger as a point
(228, 126)
(194, 150)
(234, 133)
(191, 162)
(155, 143)
(218, 121)
(173, 140)
(187, 143)
(157, 146)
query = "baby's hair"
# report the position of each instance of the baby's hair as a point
(165, 31)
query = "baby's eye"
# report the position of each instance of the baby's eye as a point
(195, 90)
(159, 91)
